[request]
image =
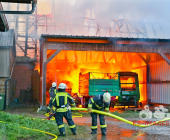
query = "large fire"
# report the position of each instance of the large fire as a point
(67, 65)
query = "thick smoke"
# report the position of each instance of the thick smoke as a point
(71, 17)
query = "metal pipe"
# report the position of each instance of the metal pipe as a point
(6, 82)
(21, 12)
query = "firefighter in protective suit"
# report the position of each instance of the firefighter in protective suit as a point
(61, 102)
(99, 102)
(52, 91)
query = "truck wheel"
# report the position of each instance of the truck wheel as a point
(85, 102)
(112, 104)
(140, 104)
(136, 104)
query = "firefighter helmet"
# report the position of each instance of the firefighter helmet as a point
(106, 97)
(62, 86)
(54, 84)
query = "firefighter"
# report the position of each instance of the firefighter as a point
(61, 102)
(99, 102)
(52, 91)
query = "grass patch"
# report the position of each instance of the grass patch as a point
(12, 130)
(127, 114)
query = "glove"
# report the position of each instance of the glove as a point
(74, 105)
(107, 111)
(48, 110)
(89, 110)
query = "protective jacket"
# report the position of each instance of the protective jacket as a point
(61, 102)
(97, 103)
(52, 91)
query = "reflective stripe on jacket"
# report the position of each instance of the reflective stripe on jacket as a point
(52, 92)
(97, 101)
(62, 100)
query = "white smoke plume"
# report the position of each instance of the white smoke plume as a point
(70, 16)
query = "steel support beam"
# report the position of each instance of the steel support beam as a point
(26, 30)
(165, 58)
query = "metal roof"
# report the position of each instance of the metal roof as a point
(7, 39)
(3, 21)
(117, 40)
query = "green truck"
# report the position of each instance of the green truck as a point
(123, 87)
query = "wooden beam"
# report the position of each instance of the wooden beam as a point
(104, 58)
(44, 84)
(159, 82)
(109, 48)
(138, 54)
(50, 53)
(75, 54)
(78, 40)
(124, 58)
(113, 56)
(53, 55)
(65, 53)
(20, 47)
(165, 58)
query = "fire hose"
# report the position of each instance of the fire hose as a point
(115, 116)
(50, 116)
(120, 118)
(55, 136)
(99, 112)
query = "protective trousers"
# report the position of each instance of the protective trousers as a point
(94, 121)
(59, 120)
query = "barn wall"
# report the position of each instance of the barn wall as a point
(159, 88)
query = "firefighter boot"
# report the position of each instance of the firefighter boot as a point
(94, 132)
(74, 133)
(62, 134)
(104, 133)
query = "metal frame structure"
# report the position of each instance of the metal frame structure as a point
(26, 38)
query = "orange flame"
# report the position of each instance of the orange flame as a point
(67, 65)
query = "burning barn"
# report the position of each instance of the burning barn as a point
(128, 68)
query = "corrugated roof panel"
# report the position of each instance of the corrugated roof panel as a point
(7, 39)
(104, 37)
